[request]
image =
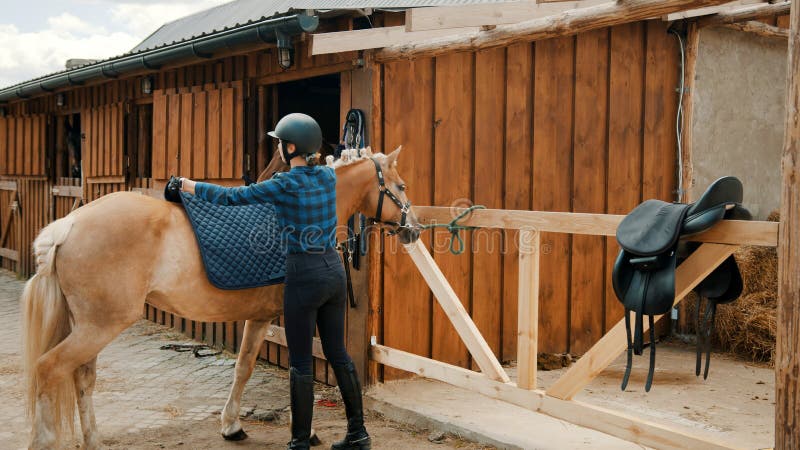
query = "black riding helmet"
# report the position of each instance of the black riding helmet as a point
(302, 131)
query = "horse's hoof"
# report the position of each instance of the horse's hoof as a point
(238, 436)
(314, 440)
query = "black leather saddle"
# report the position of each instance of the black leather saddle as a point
(644, 272)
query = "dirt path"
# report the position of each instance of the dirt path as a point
(147, 398)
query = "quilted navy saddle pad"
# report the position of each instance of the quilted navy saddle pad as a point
(240, 245)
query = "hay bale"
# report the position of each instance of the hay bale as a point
(747, 326)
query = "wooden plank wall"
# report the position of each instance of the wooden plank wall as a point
(22, 144)
(582, 123)
(200, 133)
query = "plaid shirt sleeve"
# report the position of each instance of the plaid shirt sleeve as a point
(266, 191)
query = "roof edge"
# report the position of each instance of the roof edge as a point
(198, 48)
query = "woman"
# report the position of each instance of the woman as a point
(315, 286)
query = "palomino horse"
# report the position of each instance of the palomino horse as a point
(97, 266)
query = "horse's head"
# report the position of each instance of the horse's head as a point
(387, 203)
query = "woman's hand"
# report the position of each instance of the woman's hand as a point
(187, 185)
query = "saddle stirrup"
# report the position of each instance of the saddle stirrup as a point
(630, 350)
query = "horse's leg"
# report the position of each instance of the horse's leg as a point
(85, 377)
(80, 347)
(252, 338)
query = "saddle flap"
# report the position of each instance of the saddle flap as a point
(724, 284)
(646, 291)
(651, 228)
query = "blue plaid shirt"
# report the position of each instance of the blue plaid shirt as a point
(305, 198)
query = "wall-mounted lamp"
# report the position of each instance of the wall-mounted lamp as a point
(285, 50)
(59, 100)
(147, 85)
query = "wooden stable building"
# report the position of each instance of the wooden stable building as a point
(571, 122)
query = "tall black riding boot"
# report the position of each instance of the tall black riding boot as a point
(301, 388)
(357, 437)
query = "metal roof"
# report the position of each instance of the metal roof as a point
(241, 12)
(228, 17)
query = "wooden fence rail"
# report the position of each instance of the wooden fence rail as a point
(718, 243)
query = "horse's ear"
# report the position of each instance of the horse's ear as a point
(391, 159)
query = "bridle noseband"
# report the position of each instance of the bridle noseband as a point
(385, 191)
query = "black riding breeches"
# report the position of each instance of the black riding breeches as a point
(315, 294)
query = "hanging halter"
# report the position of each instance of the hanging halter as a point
(384, 191)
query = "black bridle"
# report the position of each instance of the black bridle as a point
(385, 191)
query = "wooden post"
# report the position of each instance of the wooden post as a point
(787, 360)
(528, 312)
(689, 67)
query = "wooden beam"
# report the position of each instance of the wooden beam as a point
(277, 335)
(105, 179)
(528, 310)
(562, 24)
(9, 253)
(462, 322)
(687, 116)
(727, 7)
(476, 15)
(8, 185)
(746, 13)
(646, 433)
(67, 191)
(701, 263)
(345, 41)
(787, 359)
(292, 75)
(734, 232)
(760, 29)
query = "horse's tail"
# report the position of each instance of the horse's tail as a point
(46, 322)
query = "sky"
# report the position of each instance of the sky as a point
(38, 36)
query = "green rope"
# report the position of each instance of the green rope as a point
(455, 229)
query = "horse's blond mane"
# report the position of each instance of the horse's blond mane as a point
(351, 156)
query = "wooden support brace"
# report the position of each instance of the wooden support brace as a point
(688, 275)
(9, 253)
(646, 433)
(528, 312)
(462, 322)
(6, 230)
(76, 203)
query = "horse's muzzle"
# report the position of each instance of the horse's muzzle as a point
(408, 235)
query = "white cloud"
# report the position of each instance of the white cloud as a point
(143, 19)
(30, 54)
(68, 23)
